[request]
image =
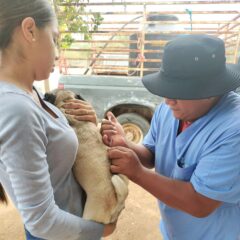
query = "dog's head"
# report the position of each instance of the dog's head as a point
(58, 97)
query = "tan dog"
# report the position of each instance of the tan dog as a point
(106, 193)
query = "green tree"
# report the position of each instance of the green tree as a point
(72, 20)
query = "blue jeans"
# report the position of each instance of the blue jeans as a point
(31, 237)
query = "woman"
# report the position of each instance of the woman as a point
(38, 147)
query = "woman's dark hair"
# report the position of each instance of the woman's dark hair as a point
(13, 12)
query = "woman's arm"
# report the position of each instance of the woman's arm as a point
(23, 154)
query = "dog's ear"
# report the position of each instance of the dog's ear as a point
(49, 97)
(77, 96)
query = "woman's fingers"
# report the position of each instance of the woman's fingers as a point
(80, 110)
(75, 101)
(88, 118)
(75, 104)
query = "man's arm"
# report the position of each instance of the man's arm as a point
(133, 160)
(145, 156)
(174, 193)
(177, 194)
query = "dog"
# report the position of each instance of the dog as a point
(106, 193)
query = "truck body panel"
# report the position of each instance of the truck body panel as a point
(108, 92)
(125, 97)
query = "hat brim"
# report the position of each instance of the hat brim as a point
(165, 86)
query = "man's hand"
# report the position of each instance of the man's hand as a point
(112, 131)
(81, 110)
(125, 161)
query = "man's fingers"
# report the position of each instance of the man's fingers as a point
(119, 149)
(106, 122)
(114, 169)
(118, 152)
(111, 117)
(108, 129)
(116, 161)
(109, 132)
(106, 140)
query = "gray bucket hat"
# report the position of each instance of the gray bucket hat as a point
(193, 67)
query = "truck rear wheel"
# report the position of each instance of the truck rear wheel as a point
(134, 125)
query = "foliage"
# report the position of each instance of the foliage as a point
(72, 19)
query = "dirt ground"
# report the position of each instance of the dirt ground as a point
(139, 220)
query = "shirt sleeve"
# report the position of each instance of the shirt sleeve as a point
(150, 139)
(217, 175)
(23, 154)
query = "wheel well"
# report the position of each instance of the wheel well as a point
(145, 112)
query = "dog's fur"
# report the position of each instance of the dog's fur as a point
(106, 193)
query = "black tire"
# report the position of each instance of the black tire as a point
(134, 125)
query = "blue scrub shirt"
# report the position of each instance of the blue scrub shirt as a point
(207, 154)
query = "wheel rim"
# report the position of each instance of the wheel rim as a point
(133, 132)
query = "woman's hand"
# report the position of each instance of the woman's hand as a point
(109, 229)
(81, 110)
(112, 131)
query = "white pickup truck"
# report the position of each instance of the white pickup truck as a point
(126, 97)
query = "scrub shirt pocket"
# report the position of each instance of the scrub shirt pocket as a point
(183, 173)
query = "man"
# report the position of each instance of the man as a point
(193, 142)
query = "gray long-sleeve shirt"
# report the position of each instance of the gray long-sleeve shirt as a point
(37, 153)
